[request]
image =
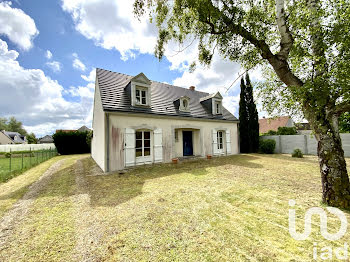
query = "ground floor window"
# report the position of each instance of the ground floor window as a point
(220, 139)
(143, 143)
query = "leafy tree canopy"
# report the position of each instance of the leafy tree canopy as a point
(12, 125)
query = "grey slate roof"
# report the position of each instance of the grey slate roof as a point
(115, 98)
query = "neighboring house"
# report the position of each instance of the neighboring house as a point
(303, 128)
(137, 121)
(45, 140)
(82, 129)
(15, 137)
(267, 124)
(4, 139)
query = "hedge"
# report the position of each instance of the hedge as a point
(267, 146)
(73, 142)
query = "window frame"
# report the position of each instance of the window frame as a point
(143, 147)
(141, 90)
(220, 136)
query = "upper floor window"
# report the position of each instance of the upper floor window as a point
(184, 104)
(141, 96)
(217, 108)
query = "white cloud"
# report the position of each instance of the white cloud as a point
(17, 26)
(48, 54)
(40, 104)
(54, 66)
(77, 64)
(111, 24)
(91, 77)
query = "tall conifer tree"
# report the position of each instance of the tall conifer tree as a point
(243, 118)
(253, 125)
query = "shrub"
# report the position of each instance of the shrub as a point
(270, 133)
(287, 131)
(73, 142)
(267, 146)
(297, 153)
(8, 155)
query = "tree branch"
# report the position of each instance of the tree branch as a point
(286, 37)
(342, 107)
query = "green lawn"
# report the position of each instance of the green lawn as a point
(11, 167)
(225, 209)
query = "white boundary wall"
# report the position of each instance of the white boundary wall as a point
(306, 143)
(26, 147)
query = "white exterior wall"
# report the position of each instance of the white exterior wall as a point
(4, 140)
(202, 137)
(98, 149)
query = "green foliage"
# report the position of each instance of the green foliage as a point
(31, 138)
(249, 120)
(344, 123)
(267, 146)
(297, 153)
(89, 138)
(12, 125)
(287, 131)
(270, 133)
(282, 131)
(74, 142)
(8, 154)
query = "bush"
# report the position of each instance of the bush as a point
(270, 133)
(297, 153)
(73, 142)
(8, 155)
(267, 146)
(287, 131)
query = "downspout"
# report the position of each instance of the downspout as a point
(107, 139)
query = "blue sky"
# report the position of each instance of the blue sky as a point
(49, 50)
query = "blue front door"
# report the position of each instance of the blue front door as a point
(187, 143)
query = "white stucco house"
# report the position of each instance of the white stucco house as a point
(138, 121)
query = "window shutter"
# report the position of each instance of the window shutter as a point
(129, 148)
(215, 142)
(228, 142)
(158, 145)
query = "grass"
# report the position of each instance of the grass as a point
(224, 209)
(10, 168)
(14, 189)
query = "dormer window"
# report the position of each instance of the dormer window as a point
(140, 91)
(141, 95)
(217, 108)
(184, 104)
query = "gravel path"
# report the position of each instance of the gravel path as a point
(87, 225)
(21, 208)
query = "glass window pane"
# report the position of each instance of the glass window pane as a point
(147, 143)
(138, 152)
(139, 143)
(147, 151)
(147, 135)
(138, 135)
(144, 101)
(143, 94)
(137, 92)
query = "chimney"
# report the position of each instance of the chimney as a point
(192, 88)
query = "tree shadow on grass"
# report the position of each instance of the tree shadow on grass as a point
(113, 189)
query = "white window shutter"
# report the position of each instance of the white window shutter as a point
(228, 142)
(129, 147)
(215, 142)
(158, 145)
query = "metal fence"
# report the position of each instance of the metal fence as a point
(12, 163)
